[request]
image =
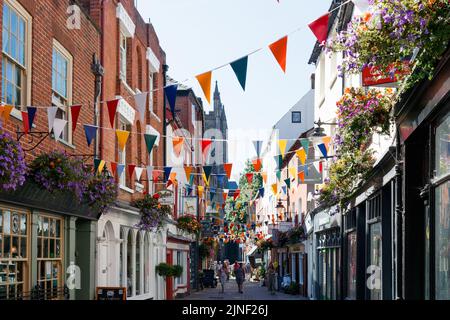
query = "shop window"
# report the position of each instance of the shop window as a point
(138, 264)
(14, 256)
(130, 264)
(50, 255)
(375, 241)
(351, 265)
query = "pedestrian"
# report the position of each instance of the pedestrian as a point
(240, 277)
(271, 276)
(227, 269)
(222, 277)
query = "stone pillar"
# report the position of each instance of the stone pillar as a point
(133, 263)
(142, 266)
(124, 258)
(70, 242)
(33, 242)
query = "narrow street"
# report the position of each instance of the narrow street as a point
(252, 291)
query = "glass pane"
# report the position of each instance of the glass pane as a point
(58, 228)
(45, 253)
(58, 249)
(52, 248)
(15, 247)
(5, 40)
(1, 247)
(39, 248)
(21, 53)
(6, 222)
(14, 21)
(6, 247)
(23, 247)
(40, 226)
(45, 227)
(9, 71)
(442, 242)
(375, 256)
(23, 225)
(22, 30)
(5, 16)
(443, 148)
(1, 221)
(13, 47)
(52, 228)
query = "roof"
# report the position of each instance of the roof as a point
(344, 14)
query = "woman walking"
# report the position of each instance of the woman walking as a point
(271, 276)
(223, 277)
(240, 277)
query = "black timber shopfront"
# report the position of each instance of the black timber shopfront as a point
(423, 121)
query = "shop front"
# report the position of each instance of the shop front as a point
(40, 244)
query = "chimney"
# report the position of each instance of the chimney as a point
(313, 81)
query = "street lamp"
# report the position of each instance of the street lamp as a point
(319, 131)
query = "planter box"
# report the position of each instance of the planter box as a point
(30, 195)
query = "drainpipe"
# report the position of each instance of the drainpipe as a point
(102, 59)
(165, 69)
(399, 214)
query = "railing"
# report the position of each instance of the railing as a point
(38, 293)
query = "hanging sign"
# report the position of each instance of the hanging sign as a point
(373, 77)
(166, 198)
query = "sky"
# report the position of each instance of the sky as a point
(200, 35)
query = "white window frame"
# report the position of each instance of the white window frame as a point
(151, 84)
(123, 55)
(27, 72)
(65, 108)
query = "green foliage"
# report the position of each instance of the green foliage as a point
(166, 270)
(293, 289)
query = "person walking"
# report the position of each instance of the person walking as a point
(240, 277)
(271, 276)
(227, 269)
(222, 277)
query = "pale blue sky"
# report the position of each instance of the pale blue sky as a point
(199, 35)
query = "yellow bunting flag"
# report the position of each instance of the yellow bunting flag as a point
(326, 142)
(122, 138)
(205, 179)
(293, 171)
(188, 171)
(200, 190)
(275, 188)
(301, 154)
(7, 112)
(301, 176)
(205, 82)
(282, 144)
(177, 145)
(101, 166)
(264, 176)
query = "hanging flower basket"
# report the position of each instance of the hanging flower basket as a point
(153, 214)
(165, 270)
(101, 193)
(189, 223)
(12, 163)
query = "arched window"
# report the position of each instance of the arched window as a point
(138, 263)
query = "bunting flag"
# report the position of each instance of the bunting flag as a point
(150, 172)
(91, 133)
(228, 167)
(113, 168)
(7, 113)
(275, 189)
(293, 171)
(279, 161)
(362, 5)
(261, 194)
(155, 175)
(200, 190)
(240, 69)
(150, 141)
(120, 170)
(305, 144)
(258, 146)
(2, 108)
(301, 154)
(99, 165)
(177, 145)
(26, 122)
(31, 115)
(188, 172)
(75, 113)
(320, 28)
(279, 50)
(206, 180)
(249, 178)
(205, 83)
(257, 164)
(279, 175)
(282, 144)
(58, 126)
(327, 142)
(211, 195)
(191, 180)
(236, 194)
(167, 171)
(131, 168)
(284, 189)
(264, 176)
(51, 115)
(139, 172)
(323, 149)
(301, 176)
(288, 183)
(321, 167)
(171, 95)
(112, 110)
(207, 171)
(206, 144)
(173, 177)
(140, 100)
(122, 138)
(225, 196)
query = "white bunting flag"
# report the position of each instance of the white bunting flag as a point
(51, 114)
(138, 172)
(362, 5)
(58, 127)
(150, 172)
(141, 102)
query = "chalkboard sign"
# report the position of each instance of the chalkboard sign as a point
(111, 294)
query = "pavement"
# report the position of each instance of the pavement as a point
(252, 291)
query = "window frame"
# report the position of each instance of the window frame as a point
(123, 53)
(296, 113)
(27, 70)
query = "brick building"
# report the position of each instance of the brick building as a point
(46, 61)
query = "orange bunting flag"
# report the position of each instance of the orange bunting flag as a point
(327, 142)
(257, 164)
(225, 196)
(188, 171)
(6, 113)
(275, 188)
(264, 176)
(173, 177)
(200, 190)
(122, 138)
(228, 167)
(1, 111)
(177, 145)
(279, 50)
(301, 176)
(205, 82)
(301, 154)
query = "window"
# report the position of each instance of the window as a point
(138, 263)
(16, 28)
(13, 254)
(152, 93)
(49, 255)
(296, 117)
(375, 255)
(351, 266)
(61, 87)
(123, 56)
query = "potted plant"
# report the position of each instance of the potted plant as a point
(189, 223)
(153, 214)
(12, 164)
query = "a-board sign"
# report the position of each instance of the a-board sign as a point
(111, 294)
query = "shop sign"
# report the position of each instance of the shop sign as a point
(373, 77)
(190, 205)
(166, 198)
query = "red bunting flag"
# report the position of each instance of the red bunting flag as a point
(26, 125)
(249, 178)
(206, 143)
(228, 167)
(75, 112)
(236, 194)
(320, 28)
(320, 167)
(112, 110)
(131, 168)
(279, 50)
(257, 164)
(113, 168)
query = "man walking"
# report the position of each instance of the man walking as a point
(240, 277)
(271, 276)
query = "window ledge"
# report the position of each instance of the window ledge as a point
(126, 189)
(125, 84)
(155, 116)
(16, 114)
(67, 144)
